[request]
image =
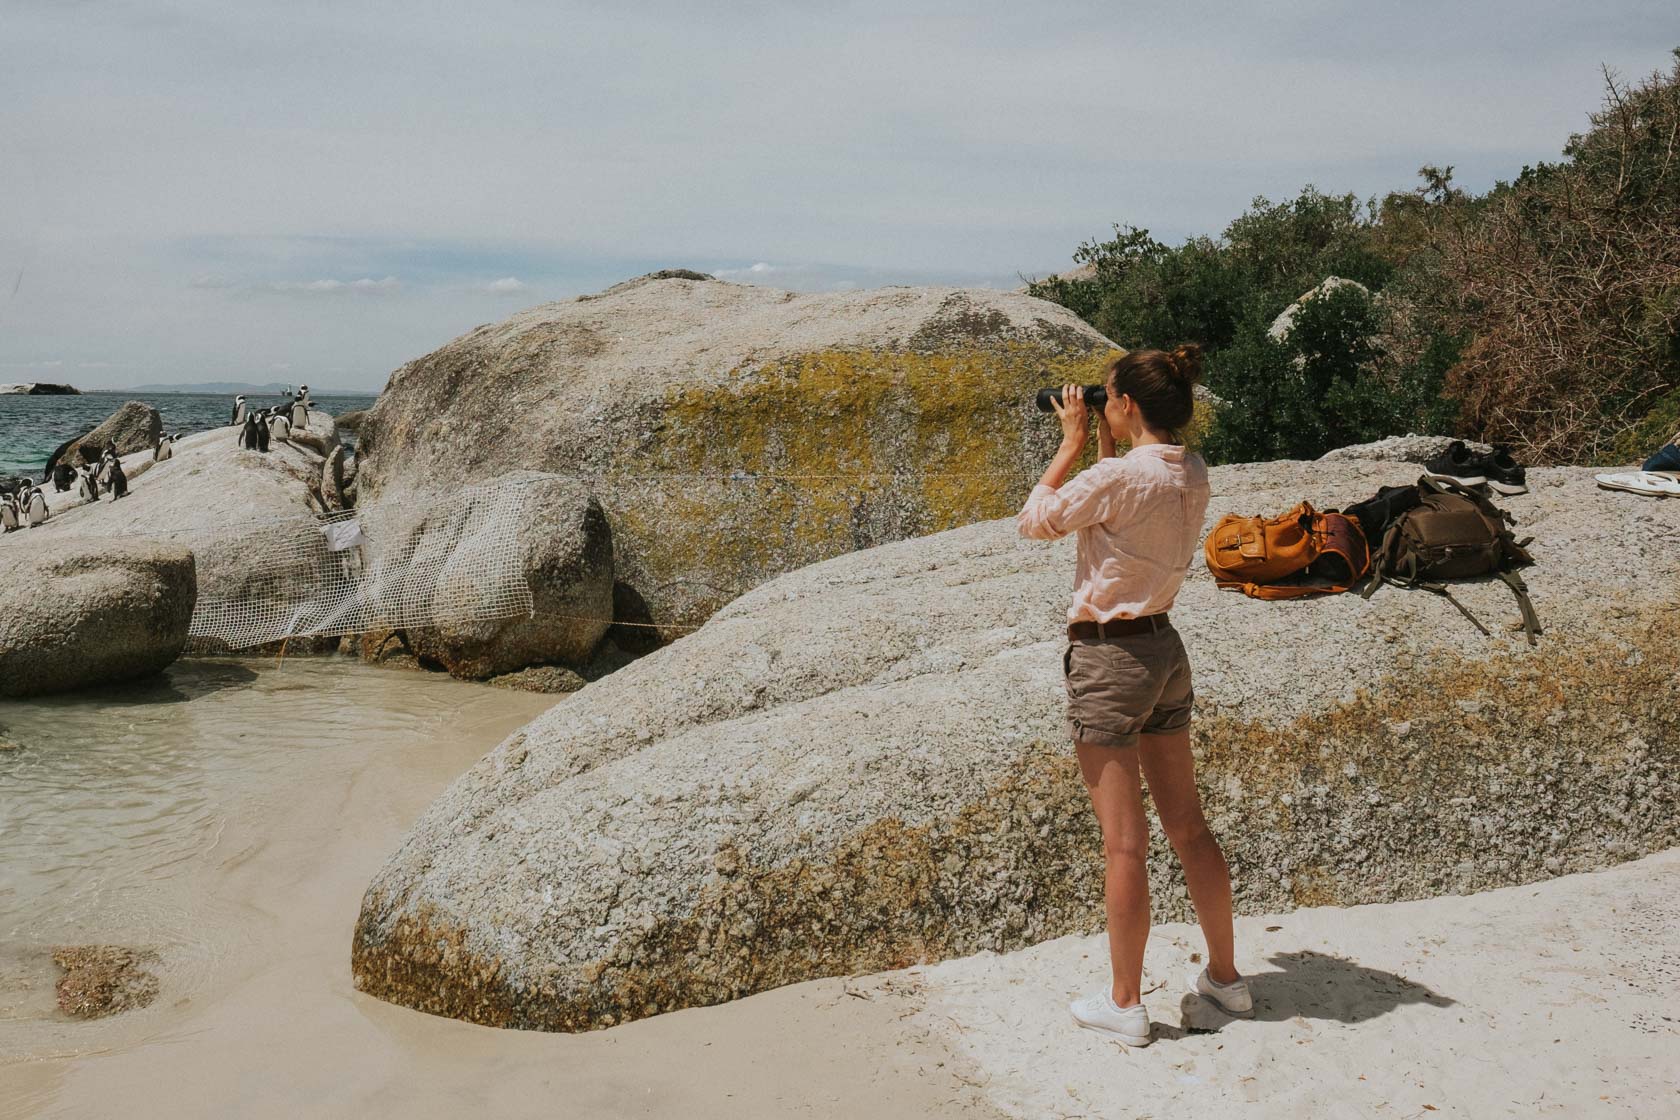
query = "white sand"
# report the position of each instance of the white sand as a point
(1556, 999)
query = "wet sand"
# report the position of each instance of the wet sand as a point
(230, 816)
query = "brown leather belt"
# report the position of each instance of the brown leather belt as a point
(1148, 624)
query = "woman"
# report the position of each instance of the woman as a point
(1139, 520)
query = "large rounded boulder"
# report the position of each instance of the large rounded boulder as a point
(80, 611)
(864, 764)
(731, 433)
(562, 548)
(135, 426)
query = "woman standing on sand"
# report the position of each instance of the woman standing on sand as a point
(1139, 520)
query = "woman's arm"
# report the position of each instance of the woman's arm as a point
(1076, 427)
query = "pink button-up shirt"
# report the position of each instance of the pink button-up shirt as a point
(1139, 520)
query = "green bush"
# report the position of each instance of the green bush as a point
(1332, 378)
(1327, 383)
(1657, 428)
(1544, 314)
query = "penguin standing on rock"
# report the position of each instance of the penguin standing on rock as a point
(279, 427)
(63, 476)
(116, 482)
(87, 487)
(300, 408)
(239, 410)
(248, 432)
(34, 505)
(162, 451)
(262, 431)
(8, 514)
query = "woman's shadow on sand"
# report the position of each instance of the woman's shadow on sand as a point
(1309, 985)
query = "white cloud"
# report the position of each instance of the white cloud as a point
(759, 270)
(504, 286)
(332, 287)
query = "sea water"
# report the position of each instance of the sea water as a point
(202, 815)
(32, 427)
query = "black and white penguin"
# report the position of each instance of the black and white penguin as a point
(279, 427)
(300, 411)
(262, 431)
(34, 506)
(248, 432)
(116, 482)
(87, 486)
(161, 450)
(239, 410)
(63, 476)
(8, 514)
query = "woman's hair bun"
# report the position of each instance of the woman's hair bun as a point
(1186, 362)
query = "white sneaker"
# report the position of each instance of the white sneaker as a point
(1233, 998)
(1100, 1013)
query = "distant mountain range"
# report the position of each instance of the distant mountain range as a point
(273, 388)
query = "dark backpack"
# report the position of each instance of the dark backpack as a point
(1453, 532)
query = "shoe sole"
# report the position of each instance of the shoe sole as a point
(1633, 490)
(1507, 487)
(1249, 1014)
(1461, 479)
(1136, 1041)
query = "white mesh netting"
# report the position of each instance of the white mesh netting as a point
(387, 565)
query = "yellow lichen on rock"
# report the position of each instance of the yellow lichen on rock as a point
(795, 461)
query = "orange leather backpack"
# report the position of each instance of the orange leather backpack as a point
(1302, 552)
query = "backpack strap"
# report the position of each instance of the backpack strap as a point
(1441, 590)
(1382, 560)
(1531, 621)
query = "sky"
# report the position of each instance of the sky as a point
(322, 191)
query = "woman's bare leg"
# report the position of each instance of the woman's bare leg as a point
(1171, 771)
(1111, 778)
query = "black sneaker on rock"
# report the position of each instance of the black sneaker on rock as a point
(1457, 463)
(1504, 474)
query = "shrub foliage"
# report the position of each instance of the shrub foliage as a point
(1544, 314)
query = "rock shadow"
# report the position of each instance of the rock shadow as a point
(1312, 985)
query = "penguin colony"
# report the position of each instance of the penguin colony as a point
(258, 426)
(23, 503)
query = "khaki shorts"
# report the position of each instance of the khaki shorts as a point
(1120, 688)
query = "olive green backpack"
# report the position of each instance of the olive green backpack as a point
(1453, 532)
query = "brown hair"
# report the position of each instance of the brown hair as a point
(1160, 382)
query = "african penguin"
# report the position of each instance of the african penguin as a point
(35, 506)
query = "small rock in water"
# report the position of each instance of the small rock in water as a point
(8, 744)
(540, 678)
(102, 980)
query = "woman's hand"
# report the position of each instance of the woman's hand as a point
(1105, 436)
(1075, 417)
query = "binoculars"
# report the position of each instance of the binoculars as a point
(1096, 396)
